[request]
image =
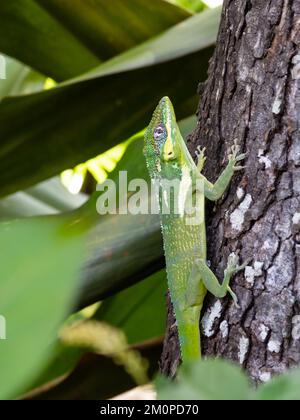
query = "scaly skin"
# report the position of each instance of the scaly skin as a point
(189, 278)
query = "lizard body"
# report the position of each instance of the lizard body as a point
(189, 277)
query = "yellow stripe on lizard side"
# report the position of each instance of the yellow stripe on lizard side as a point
(168, 147)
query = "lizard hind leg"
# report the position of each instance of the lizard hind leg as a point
(211, 282)
(201, 279)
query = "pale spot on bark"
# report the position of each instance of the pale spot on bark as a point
(274, 346)
(238, 216)
(296, 68)
(296, 219)
(209, 318)
(252, 272)
(265, 376)
(224, 329)
(276, 106)
(267, 245)
(264, 159)
(278, 102)
(296, 327)
(240, 193)
(263, 332)
(243, 348)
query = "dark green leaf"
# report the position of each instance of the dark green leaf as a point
(40, 260)
(20, 79)
(194, 5)
(67, 38)
(115, 257)
(89, 116)
(142, 304)
(48, 197)
(63, 361)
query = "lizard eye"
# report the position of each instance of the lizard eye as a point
(159, 132)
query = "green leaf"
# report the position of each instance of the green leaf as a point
(142, 304)
(22, 204)
(206, 380)
(48, 197)
(54, 194)
(88, 116)
(40, 260)
(113, 244)
(284, 387)
(62, 362)
(193, 5)
(20, 79)
(96, 377)
(67, 38)
(115, 257)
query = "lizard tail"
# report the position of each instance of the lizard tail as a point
(189, 333)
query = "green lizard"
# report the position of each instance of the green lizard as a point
(189, 276)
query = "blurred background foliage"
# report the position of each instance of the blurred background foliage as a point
(83, 295)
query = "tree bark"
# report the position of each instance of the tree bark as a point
(252, 94)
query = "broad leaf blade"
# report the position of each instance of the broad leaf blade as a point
(66, 38)
(142, 304)
(206, 380)
(48, 197)
(194, 34)
(40, 260)
(87, 117)
(116, 258)
(113, 245)
(285, 387)
(110, 27)
(20, 79)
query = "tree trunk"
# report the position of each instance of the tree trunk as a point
(253, 95)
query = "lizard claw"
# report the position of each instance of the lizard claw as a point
(233, 264)
(233, 267)
(234, 297)
(200, 153)
(200, 150)
(242, 156)
(239, 168)
(235, 157)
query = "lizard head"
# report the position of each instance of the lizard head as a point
(163, 149)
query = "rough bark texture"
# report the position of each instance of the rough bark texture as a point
(253, 95)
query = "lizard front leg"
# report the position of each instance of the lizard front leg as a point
(215, 191)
